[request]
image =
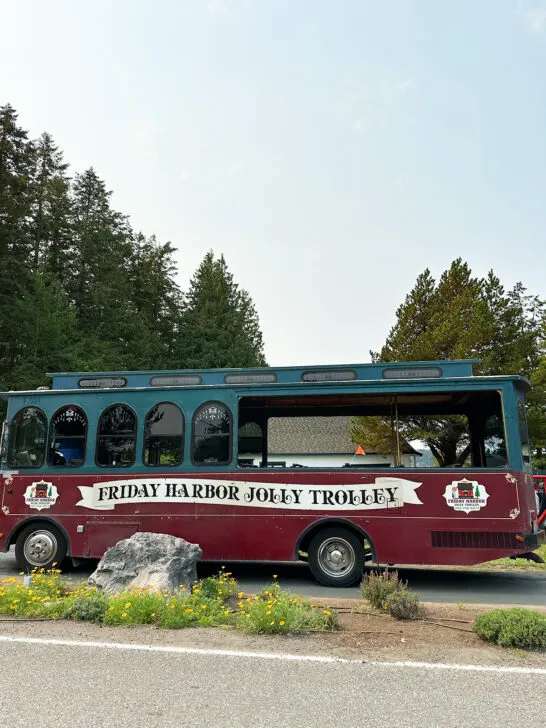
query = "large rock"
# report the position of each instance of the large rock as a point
(147, 560)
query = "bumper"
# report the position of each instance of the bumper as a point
(533, 540)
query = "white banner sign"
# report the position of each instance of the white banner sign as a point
(382, 493)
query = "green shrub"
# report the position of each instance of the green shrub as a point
(43, 598)
(376, 588)
(275, 611)
(222, 585)
(404, 604)
(513, 628)
(88, 608)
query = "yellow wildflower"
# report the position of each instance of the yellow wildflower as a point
(127, 605)
(124, 614)
(327, 612)
(281, 623)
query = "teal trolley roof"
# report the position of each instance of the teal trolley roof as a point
(268, 375)
(386, 372)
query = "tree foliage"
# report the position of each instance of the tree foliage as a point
(219, 324)
(461, 316)
(80, 289)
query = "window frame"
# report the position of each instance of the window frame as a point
(49, 432)
(10, 439)
(98, 436)
(197, 463)
(523, 433)
(182, 436)
(373, 392)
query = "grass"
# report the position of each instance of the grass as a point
(213, 602)
(516, 564)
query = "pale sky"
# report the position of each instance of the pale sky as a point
(331, 150)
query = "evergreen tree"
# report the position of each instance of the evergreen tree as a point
(98, 282)
(50, 223)
(15, 168)
(219, 326)
(47, 334)
(156, 299)
(79, 290)
(459, 317)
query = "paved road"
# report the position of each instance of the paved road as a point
(436, 585)
(84, 687)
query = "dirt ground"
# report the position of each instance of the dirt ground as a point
(445, 638)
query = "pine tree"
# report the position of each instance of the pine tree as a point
(219, 326)
(50, 223)
(459, 317)
(48, 336)
(99, 283)
(15, 169)
(156, 299)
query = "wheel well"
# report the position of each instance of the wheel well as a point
(16, 530)
(312, 530)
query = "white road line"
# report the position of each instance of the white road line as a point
(271, 655)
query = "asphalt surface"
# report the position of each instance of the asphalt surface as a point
(78, 686)
(432, 585)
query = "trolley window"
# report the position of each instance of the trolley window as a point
(116, 437)
(27, 442)
(212, 434)
(67, 437)
(164, 435)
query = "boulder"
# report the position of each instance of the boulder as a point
(147, 560)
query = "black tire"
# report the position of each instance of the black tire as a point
(336, 557)
(39, 546)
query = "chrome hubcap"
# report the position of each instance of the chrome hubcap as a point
(336, 557)
(40, 548)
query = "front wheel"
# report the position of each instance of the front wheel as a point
(39, 546)
(336, 557)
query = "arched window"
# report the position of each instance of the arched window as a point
(27, 440)
(211, 435)
(164, 435)
(116, 437)
(67, 437)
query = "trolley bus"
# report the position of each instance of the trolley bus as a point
(99, 456)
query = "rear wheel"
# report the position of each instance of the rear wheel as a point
(336, 557)
(39, 546)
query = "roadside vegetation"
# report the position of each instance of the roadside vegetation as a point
(523, 628)
(516, 564)
(212, 602)
(386, 591)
